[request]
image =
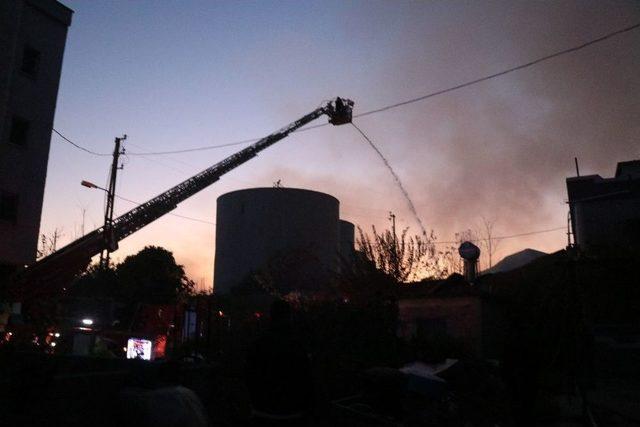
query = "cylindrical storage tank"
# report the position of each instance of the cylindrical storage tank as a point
(347, 237)
(289, 236)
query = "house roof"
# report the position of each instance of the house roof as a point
(605, 287)
(453, 286)
(543, 269)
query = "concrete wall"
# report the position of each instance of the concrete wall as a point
(293, 234)
(27, 26)
(477, 323)
(607, 224)
(605, 212)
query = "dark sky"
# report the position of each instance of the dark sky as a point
(184, 74)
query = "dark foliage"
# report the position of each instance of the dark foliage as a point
(97, 282)
(153, 276)
(402, 256)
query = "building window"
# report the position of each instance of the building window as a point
(30, 61)
(19, 131)
(8, 207)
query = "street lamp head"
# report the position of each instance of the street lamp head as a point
(88, 184)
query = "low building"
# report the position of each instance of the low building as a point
(452, 308)
(605, 212)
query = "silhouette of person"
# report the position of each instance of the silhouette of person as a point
(279, 374)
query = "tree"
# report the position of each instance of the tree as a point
(445, 263)
(369, 282)
(362, 283)
(49, 244)
(402, 257)
(97, 282)
(487, 241)
(153, 276)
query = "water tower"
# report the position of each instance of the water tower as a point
(470, 254)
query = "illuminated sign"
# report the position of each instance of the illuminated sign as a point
(138, 348)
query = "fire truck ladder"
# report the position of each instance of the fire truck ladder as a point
(54, 271)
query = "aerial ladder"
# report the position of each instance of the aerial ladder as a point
(52, 273)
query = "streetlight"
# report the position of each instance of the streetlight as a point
(108, 219)
(91, 185)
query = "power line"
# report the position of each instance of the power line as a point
(144, 151)
(142, 154)
(443, 91)
(189, 150)
(160, 162)
(502, 73)
(349, 214)
(509, 236)
(391, 106)
(79, 146)
(364, 208)
(381, 109)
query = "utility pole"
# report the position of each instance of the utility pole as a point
(110, 242)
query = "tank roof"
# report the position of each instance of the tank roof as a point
(278, 190)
